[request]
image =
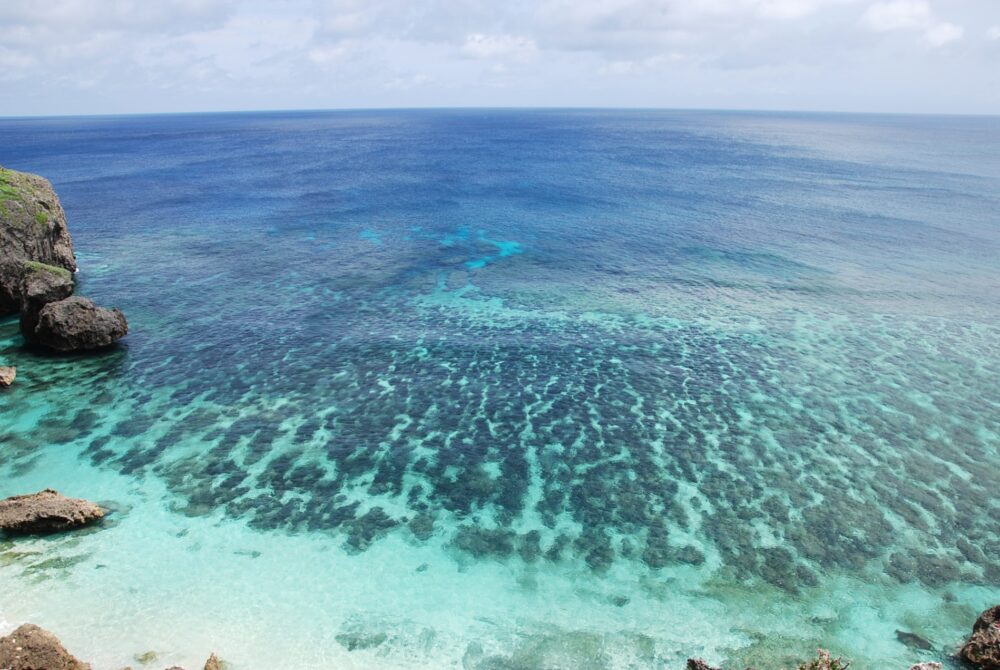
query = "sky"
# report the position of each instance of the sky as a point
(136, 56)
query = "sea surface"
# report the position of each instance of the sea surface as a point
(517, 389)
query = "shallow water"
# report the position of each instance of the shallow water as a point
(492, 389)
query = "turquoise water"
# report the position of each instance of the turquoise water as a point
(517, 389)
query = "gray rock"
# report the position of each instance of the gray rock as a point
(47, 511)
(40, 285)
(7, 376)
(926, 666)
(33, 648)
(32, 230)
(77, 324)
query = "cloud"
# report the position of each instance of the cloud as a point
(940, 34)
(993, 33)
(503, 47)
(911, 15)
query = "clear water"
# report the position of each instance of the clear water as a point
(506, 389)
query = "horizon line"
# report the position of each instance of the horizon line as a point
(536, 108)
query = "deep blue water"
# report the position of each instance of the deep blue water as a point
(735, 367)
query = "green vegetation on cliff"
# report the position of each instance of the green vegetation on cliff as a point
(35, 266)
(8, 185)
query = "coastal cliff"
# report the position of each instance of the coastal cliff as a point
(33, 234)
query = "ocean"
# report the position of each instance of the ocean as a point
(496, 389)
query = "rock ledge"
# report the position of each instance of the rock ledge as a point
(47, 511)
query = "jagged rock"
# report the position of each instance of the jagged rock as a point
(926, 666)
(7, 376)
(982, 650)
(213, 663)
(77, 324)
(47, 511)
(698, 664)
(33, 648)
(32, 230)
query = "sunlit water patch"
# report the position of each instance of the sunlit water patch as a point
(516, 390)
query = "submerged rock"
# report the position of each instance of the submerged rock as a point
(914, 641)
(33, 648)
(213, 663)
(47, 511)
(32, 230)
(982, 650)
(7, 376)
(926, 666)
(77, 324)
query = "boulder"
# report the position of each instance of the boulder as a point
(698, 664)
(926, 666)
(213, 663)
(7, 376)
(77, 324)
(982, 650)
(32, 230)
(46, 512)
(32, 648)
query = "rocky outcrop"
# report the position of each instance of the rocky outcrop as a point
(36, 266)
(32, 231)
(982, 650)
(47, 511)
(74, 324)
(40, 285)
(926, 666)
(33, 648)
(7, 376)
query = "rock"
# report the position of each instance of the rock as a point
(145, 658)
(698, 664)
(7, 376)
(354, 640)
(32, 229)
(77, 324)
(926, 666)
(46, 512)
(982, 650)
(32, 648)
(40, 285)
(213, 663)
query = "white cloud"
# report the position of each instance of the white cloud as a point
(898, 15)
(793, 9)
(911, 15)
(941, 34)
(993, 33)
(504, 47)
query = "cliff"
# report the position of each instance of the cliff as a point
(33, 231)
